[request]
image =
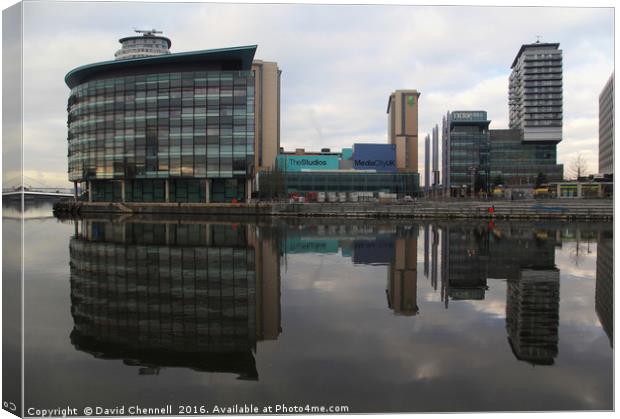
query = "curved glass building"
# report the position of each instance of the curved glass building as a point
(166, 128)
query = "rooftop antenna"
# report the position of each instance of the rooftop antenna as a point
(147, 32)
(537, 39)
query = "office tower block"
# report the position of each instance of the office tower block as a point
(466, 153)
(403, 128)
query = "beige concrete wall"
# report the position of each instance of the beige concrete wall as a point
(267, 113)
(401, 162)
(412, 164)
(404, 133)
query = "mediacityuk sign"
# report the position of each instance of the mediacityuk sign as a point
(379, 157)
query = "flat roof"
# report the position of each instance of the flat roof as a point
(534, 45)
(243, 55)
(405, 91)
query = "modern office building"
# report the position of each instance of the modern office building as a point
(172, 127)
(535, 92)
(466, 148)
(267, 113)
(402, 112)
(427, 163)
(516, 163)
(606, 128)
(366, 170)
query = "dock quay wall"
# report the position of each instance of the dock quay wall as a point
(532, 209)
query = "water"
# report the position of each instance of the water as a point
(377, 316)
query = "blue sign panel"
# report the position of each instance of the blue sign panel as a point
(379, 157)
(293, 163)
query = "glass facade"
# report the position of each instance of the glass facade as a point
(468, 152)
(469, 157)
(515, 162)
(302, 182)
(146, 130)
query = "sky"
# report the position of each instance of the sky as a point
(339, 64)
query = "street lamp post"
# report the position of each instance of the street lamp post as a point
(472, 170)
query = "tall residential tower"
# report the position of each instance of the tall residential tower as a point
(535, 92)
(526, 154)
(606, 128)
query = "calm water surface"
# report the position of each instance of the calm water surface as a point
(378, 316)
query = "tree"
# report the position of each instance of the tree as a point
(578, 167)
(541, 179)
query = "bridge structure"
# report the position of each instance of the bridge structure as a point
(33, 188)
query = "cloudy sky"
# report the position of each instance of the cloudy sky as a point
(339, 64)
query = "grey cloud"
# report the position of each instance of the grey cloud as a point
(339, 61)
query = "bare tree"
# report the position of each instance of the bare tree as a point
(578, 167)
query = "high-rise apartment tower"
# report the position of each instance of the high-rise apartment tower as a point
(606, 128)
(535, 92)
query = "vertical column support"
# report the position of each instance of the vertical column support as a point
(167, 190)
(579, 190)
(75, 191)
(90, 191)
(207, 190)
(248, 190)
(123, 191)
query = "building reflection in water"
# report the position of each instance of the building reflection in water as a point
(532, 315)
(174, 294)
(201, 295)
(604, 292)
(464, 257)
(372, 243)
(402, 288)
(524, 256)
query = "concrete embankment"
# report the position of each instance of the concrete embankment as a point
(532, 209)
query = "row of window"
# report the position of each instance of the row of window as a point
(180, 190)
(163, 80)
(118, 139)
(204, 234)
